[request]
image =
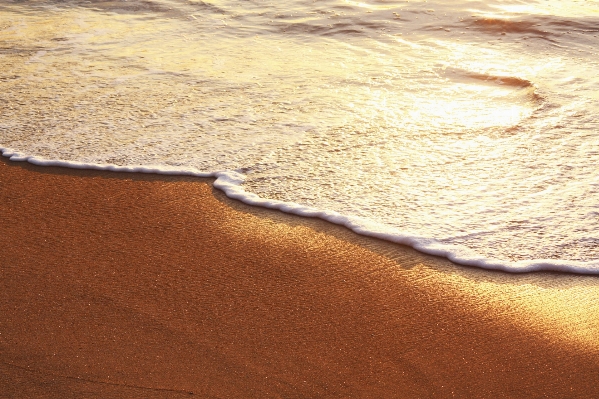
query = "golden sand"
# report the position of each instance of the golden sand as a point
(143, 286)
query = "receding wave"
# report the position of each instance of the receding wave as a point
(508, 26)
(542, 27)
(316, 27)
(503, 80)
(512, 81)
(131, 6)
(390, 118)
(230, 182)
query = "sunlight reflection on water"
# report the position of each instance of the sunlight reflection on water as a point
(470, 124)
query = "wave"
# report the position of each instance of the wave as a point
(129, 7)
(327, 28)
(548, 28)
(521, 86)
(230, 182)
(508, 26)
(512, 81)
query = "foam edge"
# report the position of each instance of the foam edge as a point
(230, 182)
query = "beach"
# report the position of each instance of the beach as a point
(140, 285)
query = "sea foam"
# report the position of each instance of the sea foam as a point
(230, 182)
(466, 134)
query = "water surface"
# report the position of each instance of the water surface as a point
(465, 129)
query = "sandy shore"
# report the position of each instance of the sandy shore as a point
(142, 286)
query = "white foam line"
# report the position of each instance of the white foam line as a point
(162, 170)
(230, 183)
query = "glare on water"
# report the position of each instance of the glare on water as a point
(471, 127)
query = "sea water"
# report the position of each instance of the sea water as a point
(465, 129)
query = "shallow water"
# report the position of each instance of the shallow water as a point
(465, 129)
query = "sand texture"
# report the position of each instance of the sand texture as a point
(118, 285)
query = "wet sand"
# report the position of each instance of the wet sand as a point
(145, 286)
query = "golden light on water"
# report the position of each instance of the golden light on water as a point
(366, 81)
(468, 114)
(365, 5)
(558, 8)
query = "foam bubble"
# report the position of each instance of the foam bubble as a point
(230, 183)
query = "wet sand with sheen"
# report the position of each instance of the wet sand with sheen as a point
(146, 286)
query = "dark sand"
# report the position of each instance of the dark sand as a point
(142, 286)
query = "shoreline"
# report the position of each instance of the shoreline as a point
(154, 285)
(229, 182)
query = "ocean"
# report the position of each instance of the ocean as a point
(464, 129)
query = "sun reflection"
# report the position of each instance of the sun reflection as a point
(370, 6)
(468, 114)
(557, 8)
